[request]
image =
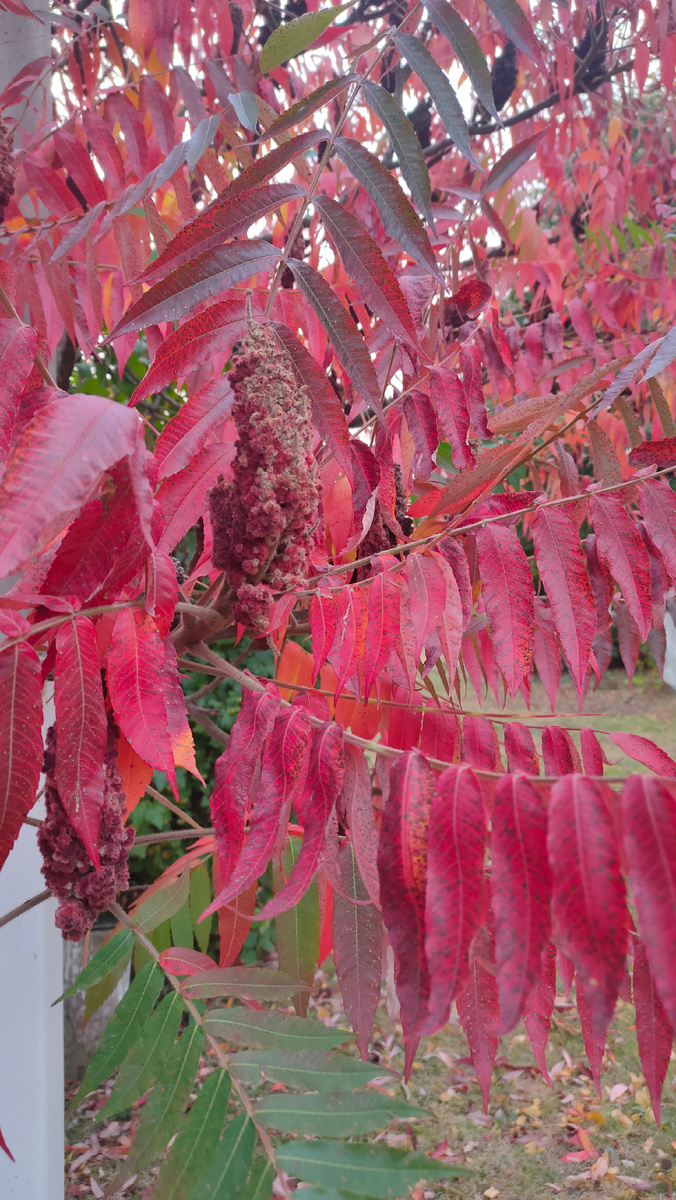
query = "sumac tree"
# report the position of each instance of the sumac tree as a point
(407, 421)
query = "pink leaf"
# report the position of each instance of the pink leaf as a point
(81, 729)
(660, 454)
(620, 544)
(537, 1015)
(520, 889)
(658, 508)
(559, 752)
(478, 1012)
(653, 1031)
(383, 616)
(323, 620)
(592, 754)
(427, 594)
(644, 751)
(561, 563)
(179, 961)
(180, 733)
(20, 739)
(448, 399)
(136, 687)
(472, 378)
(507, 587)
(161, 590)
(197, 341)
(455, 905)
(358, 802)
(520, 749)
(350, 637)
(589, 907)
(594, 1043)
(17, 351)
(185, 434)
(183, 497)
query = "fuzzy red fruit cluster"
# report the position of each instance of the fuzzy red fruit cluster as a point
(266, 518)
(7, 169)
(82, 891)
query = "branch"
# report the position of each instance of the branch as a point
(151, 791)
(202, 717)
(25, 907)
(150, 839)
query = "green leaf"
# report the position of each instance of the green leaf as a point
(397, 214)
(270, 1029)
(252, 983)
(421, 61)
(298, 927)
(260, 1181)
(98, 993)
(226, 1174)
(123, 1028)
(517, 27)
(404, 143)
(293, 37)
(341, 1115)
(107, 956)
(510, 162)
(313, 1070)
(200, 898)
(315, 1193)
(147, 1057)
(374, 1170)
(169, 1097)
(309, 104)
(198, 1137)
(163, 904)
(467, 48)
(181, 925)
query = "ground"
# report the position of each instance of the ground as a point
(535, 1141)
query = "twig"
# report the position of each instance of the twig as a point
(151, 791)
(220, 1053)
(25, 907)
(201, 716)
(150, 839)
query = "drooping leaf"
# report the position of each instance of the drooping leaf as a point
(447, 104)
(161, 1113)
(467, 49)
(399, 218)
(402, 866)
(136, 686)
(197, 1140)
(333, 1115)
(537, 1015)
(362, 1170)
(183, 289)
(621, 545)
(203, 336)
(559, 752)
(124, 1028)
(507, 587)
(455, 904)
(449, 402)
(383, 614)
(521, 893)
(426, 596)
(653, 1031)
(293, 37)
(358, 802)
(310, 1070)
(649, 832)
(560, 560)
(20, 739)
(308, 104)
(341, 331)
(472, 380)
(588, 896)
(404, 143)
(82, 729)
(478, 1011)
(594, 1043)
(298, 928)
(520, 749)
(271, 1030)
(246, 983)
(357, 948)
(658, 508)
(592, 754)
(102, 963)
(512, 159)
(644, 751)
(147, 1056)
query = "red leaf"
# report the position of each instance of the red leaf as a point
(644, 751)
(275, 160)
(537, 1016)
(20, 739)
(350, 637)
(589, 907)
(478, 1012)
(179, 961)
(322, 788)
(161, 590)
(450, 624)
(559, 752)
(120, 109)
(602, 582)
(653, 1031)
(480, 744)
(383, 616)
(183, 497)
(546, 654)
(594, 1043)
(283, 771)
(81, 729)
(223, 219)
(104, 146)
(327, 414)
(472, 296)
(186, 433)
(627, 637)
(472, 378)
(422, 425)
(57, 464)
(357, 948)
(521, 890)
(358, 802)
(453, 552)
(427, 594)
(136, 688)
(649, 825)
(660, 454)
(193, 343)
(581, 322)
(233, 922)
(455, 905)
(17, 351)
(448, 399)
(560, 560)
(3, 1143)
(592, 754)
(621, 545)
(507, 588)
(78, 164)
(520, 749)
(402, 867)
(518, 154)
(180, 733)
(658, 508)
(323, 621)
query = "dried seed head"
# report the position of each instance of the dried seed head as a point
(7, 170)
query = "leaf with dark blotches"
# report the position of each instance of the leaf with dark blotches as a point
(594, 1043)
(560, 560)
(321, 790)
(81, 729)
(658, 508)
(357, 948)
(628, 638)
(520, 749)
(455, 902)
(559, 752)
(478, 1012)
(453, 551)
(358, 801)
(521, 893)
(450, 405)
(592, 754)
(537, 1014)
(546, 653)
(602, 582)
(402, 867)
(661, 453)
(620, 544)
(649, 833)
(589, 906)
(653, 1031)
(507, 588)
(480, 743)
(20, 739)
(642, 750)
